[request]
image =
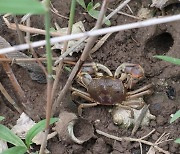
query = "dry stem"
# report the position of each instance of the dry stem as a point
(9, 98)
(155, 145)
(28, 29)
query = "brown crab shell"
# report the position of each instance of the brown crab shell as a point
(107, 90)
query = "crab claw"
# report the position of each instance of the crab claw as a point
(84, 79)
(94, 68)
(130, 73)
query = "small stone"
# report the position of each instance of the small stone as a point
(153, 123)
(173, 147)
(112, 127)
(160, 130)
(117, 146)
(155, 136)
(116, 152)
(125, 144)
(77, 149)
(100, 147)
(88, 152)
(161, 120)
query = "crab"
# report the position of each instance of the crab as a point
(104, 88)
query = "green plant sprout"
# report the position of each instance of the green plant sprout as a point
(177, 62)
(169, 59)
(21, 147)
(175, 117)
(91, 9)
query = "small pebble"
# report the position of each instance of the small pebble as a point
(173, 147)
(153, 123)
(77, 149)
(155, 136)
(88, 152)
(117, 146)
(160, 130)
(161, 120)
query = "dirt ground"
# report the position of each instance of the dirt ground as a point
(133, 46)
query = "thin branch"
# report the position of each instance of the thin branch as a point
(65, 60)
(28, 29)
(145, 23)
(140, 119)
(20, 35)
(36, 57)
(132, 140)
(148, 134)
(128, 15)
(117, 10)
(9, 98)
(56, 12)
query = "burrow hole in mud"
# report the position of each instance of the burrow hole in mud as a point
(160, 44)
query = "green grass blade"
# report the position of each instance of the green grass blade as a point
(7, 135)
(20, 7)
(82, 3)
(40, 126)
(169, 59)
(1, 118)
(15, 150)
(175, 116)
(177, 140)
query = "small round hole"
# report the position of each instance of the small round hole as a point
(160, 44)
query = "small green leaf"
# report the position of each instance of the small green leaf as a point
(94, 13)
(15, 150)
(82, 3)
(7, 135)
(40, 126)
(90, 6)
(177, 140)
(169, 59)
(175, 116)
(1, 118)
(20, 7)
(96, 5)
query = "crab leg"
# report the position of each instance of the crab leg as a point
(146, 92)
(140, 89)
(84, 95)
(135, 104)
(81, 106)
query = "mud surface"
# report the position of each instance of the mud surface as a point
(133, 46)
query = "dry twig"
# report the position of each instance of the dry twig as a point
(9, 98)
(36, 57)
(28, 29)
(140, 119)
(140, 140)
